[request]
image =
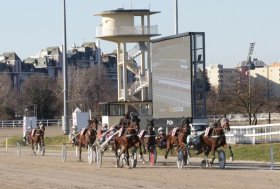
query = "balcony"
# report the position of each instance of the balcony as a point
(127, 30)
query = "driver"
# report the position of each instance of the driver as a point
(102, 136)
(27, 133)
(74, 134)
(161, 137)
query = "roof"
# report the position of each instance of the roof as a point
(89, 44)
(53, 50)
(11, 56)
(136, 12)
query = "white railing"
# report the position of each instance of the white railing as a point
(253, 134)
(19, 123)
(136, 50)
(132, 67)
(126, 30)
(139, 84)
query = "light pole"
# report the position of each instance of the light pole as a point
(249, 64)
(65, 125)
(176, 16)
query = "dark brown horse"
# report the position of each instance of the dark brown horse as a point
(178, 137)
(87, 136)
(36, 139)
(148, 137)
(127, 137)
(214, 138)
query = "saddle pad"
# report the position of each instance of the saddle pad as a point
(174, 130)
(120, 132)
(83, 131)
(207, 131)
(141, 134)
(33, 132)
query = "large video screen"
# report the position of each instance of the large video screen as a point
(171, 77)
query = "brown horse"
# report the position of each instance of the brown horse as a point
(178, 138)
(87, 136)
(214, 138)
(127, 138)
(148, 137)
(36, 138)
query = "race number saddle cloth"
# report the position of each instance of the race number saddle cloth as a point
(83, 131)
(142, 133)
(174, 131)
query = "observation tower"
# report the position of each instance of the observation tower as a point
(119, 26)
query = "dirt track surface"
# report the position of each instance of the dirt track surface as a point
(45, 172)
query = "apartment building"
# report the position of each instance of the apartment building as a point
(269, 76)
(220, 77)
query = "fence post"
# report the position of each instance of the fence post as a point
(271, 157)
(6, 144)
(254, 137)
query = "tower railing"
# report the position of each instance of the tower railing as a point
(126, 30)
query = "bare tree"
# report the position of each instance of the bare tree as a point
(7, 97)
(88, 87)
(40, 91)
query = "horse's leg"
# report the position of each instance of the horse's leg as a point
(206, 153)
(185, 152)
(141, 143)
(117, 155)
(168, 146)
(213, 150)
(127, 156)
(80, 152)
(231, 153)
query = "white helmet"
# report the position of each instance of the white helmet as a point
(29, 128)
(160, 129)
(104, 127)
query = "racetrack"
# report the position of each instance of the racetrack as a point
(28, 171)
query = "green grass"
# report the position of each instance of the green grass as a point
(258, 152)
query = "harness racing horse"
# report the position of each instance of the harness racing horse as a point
(87, 136)
(178, 137)
(214, 138)
(36, 138)
(127, 138)
(148, 137)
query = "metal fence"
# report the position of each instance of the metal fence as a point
(18, 123)
(254, 134)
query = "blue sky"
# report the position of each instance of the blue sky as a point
(229, 25)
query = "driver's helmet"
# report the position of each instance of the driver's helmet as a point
(29, 128)
(74, 127)
(161, 130)
(104, 127)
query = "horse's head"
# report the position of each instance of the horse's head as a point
(150, 124)
(224, 122)
(42, 126)
(93, 123)
(185, 124)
